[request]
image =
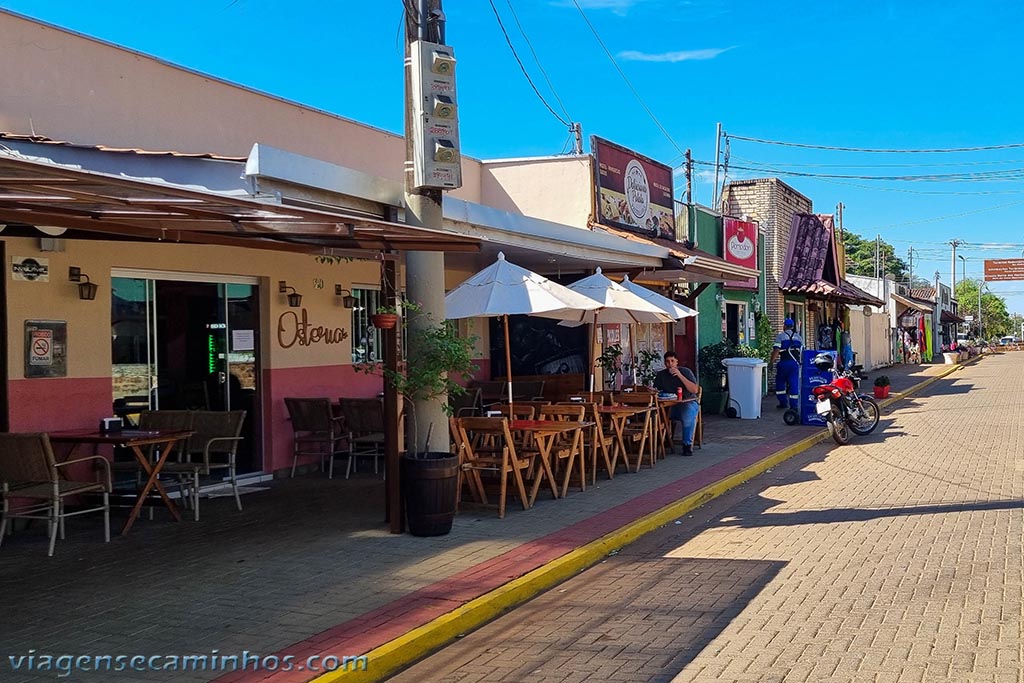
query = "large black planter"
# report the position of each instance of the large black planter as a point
(430, 490)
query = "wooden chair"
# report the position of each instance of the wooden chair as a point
(29, 471)
(486, 445)
(518, 411)
(698, 432)
(317, 431)
(363, 423)
(212, 447)
(640, 431)
(568, 447)
(596, 441)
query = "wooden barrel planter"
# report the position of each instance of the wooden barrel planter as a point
(430, 489)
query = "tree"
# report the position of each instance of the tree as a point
(860, 258)
(995, 319)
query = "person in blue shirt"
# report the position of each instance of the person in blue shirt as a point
(786, 353)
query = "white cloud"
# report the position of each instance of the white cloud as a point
(680, 56)
(620, 7)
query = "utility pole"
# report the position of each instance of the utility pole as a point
(689, 177)
(910, 265)
(718, 151)
(952, 265)
(424, 270)
(878, 258)
(577, 132)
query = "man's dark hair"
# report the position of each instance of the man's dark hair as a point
(670, 354)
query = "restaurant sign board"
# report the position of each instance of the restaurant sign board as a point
(1003, 269)
(634, 192)
(739, 240)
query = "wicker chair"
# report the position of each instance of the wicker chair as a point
(29, 471)
(363, 422)
(212, 447)
(316, 430)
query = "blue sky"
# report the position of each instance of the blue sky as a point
(897, 75)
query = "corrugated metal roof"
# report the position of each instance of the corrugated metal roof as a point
(40, 139)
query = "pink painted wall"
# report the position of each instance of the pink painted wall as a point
(330, 381)
(51, 404)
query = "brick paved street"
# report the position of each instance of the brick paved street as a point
(895, 558)
(309, 567)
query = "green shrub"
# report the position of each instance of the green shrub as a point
(882, 381)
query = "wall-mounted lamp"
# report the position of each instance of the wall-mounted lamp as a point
(347, 300)
(86, 290)
(757, 307)
(294, 298)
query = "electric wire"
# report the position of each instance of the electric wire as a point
(522, 68)
(916, 165)
(536, 59)
(624, 78)
(983, 148)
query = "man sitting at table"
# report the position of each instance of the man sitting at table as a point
(669, 381)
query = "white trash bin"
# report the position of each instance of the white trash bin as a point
(745, 385)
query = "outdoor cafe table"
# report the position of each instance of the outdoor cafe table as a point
(618, 416)
(544, 434)
(165, 440)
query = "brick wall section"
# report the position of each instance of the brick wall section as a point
(772, 203)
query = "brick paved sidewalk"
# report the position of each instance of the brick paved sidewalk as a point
(895, 558)
(308, 565)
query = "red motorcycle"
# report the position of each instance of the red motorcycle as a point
(838, 402)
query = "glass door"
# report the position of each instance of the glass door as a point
(187, 345)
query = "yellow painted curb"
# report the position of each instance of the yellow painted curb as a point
(399, 653)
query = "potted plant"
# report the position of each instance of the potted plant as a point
(429, 478)
(882, 386)
(385, 317)
(609, 362)
(645, 362)
(712, 373)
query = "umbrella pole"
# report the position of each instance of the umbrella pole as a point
(508, 366)
(590, 356)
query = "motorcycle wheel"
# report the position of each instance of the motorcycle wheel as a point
(838, 426)
(867, 423)
(791, 417)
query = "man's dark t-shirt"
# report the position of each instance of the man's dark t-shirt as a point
(667, 383)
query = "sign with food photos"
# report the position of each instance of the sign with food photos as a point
(633, 192)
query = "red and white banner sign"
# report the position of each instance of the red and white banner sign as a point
(739, 246)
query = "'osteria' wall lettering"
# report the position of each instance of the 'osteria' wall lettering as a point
(294, 329)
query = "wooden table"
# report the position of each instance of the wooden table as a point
(663, 428)
(134, 439)
(618, 416)
(544, 434)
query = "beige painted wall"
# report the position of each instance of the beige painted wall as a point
(553, 189)
(69, 87)
(89, 343)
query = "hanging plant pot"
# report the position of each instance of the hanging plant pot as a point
(384, 321)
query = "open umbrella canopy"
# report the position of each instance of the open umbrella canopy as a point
(504, 288)
(672, 308)
(617, 304)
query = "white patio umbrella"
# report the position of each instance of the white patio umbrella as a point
(672, 308)
(618, 305)
(504, 289)
(675, 309)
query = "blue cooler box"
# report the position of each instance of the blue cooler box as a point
(811, 377)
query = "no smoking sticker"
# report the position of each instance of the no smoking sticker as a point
(41, 348)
